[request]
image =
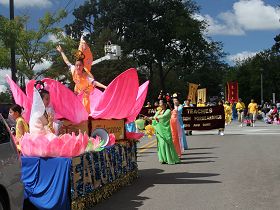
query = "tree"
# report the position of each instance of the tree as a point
(32, 46)
(162, 37)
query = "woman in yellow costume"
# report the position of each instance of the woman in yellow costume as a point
(228, 112)
(21, 125)
(84, 81)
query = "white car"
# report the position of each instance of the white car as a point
(11, 187)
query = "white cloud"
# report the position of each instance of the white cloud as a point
(241, 56)
(28, 3)
(42, 66)
(255, 15)
(227, 27)
(3, 88)
(54, 38)
(245, 15)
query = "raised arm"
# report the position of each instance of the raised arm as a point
(98, 84)
(95, 83)
(65, 59)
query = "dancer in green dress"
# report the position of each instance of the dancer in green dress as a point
(161, 122)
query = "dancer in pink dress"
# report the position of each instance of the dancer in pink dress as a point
(175, 129)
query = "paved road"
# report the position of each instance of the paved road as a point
(240, 170)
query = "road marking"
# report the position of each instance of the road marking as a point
(147, 146)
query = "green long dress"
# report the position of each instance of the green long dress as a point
(166, 151)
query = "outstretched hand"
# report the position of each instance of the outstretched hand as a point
(59, 48)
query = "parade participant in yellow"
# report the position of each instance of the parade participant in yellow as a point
(21, 125)
(200, 103)
(240, 106)
(84, 82)
(228, 112)
(252, 111)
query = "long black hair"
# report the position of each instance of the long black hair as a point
(17, 108)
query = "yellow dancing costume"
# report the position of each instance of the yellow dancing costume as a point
(19, 133)
(228, 113)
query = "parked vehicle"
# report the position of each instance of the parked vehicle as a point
(11, 187)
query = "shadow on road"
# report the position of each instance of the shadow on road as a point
(195, 158)
(201, 161)
(198, 153)
(129, 197)
(197, 148)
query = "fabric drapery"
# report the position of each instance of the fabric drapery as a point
(46, 182)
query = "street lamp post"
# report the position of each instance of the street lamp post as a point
(261, 70)
(13, 51)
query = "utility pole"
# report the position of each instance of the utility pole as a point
(261, 70)
(13, 50)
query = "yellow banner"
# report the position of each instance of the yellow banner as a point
(192, 92)
(201, 94)
(112, 126)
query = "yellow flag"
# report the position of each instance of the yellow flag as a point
(201, 94)
(192, 92)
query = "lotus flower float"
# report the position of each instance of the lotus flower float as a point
(123, 99)
(66, 145)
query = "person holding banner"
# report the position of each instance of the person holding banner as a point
(161, 122)
(84, 82)
(200, 103)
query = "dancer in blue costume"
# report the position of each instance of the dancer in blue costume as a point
(180, 110)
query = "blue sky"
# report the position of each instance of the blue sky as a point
(245, 27)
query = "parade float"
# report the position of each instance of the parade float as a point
(91, 156)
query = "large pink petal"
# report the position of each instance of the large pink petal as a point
(34, 145)
(65, 102)
(55, 147)
(30, 89)
(119, 97)
(76, 148)
(141, 97)
(94, 98)
(85, 142)
(20, 98)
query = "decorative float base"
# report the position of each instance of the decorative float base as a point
(104, 192)
(95, 176)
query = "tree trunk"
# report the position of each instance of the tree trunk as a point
(151, 94)
(161, 77)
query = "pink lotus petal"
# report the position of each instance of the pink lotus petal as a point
(55, 147)
(73, 111)
(84, 143)
(141, 97)
(20, 98)
(135, 136)
(119, 97)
